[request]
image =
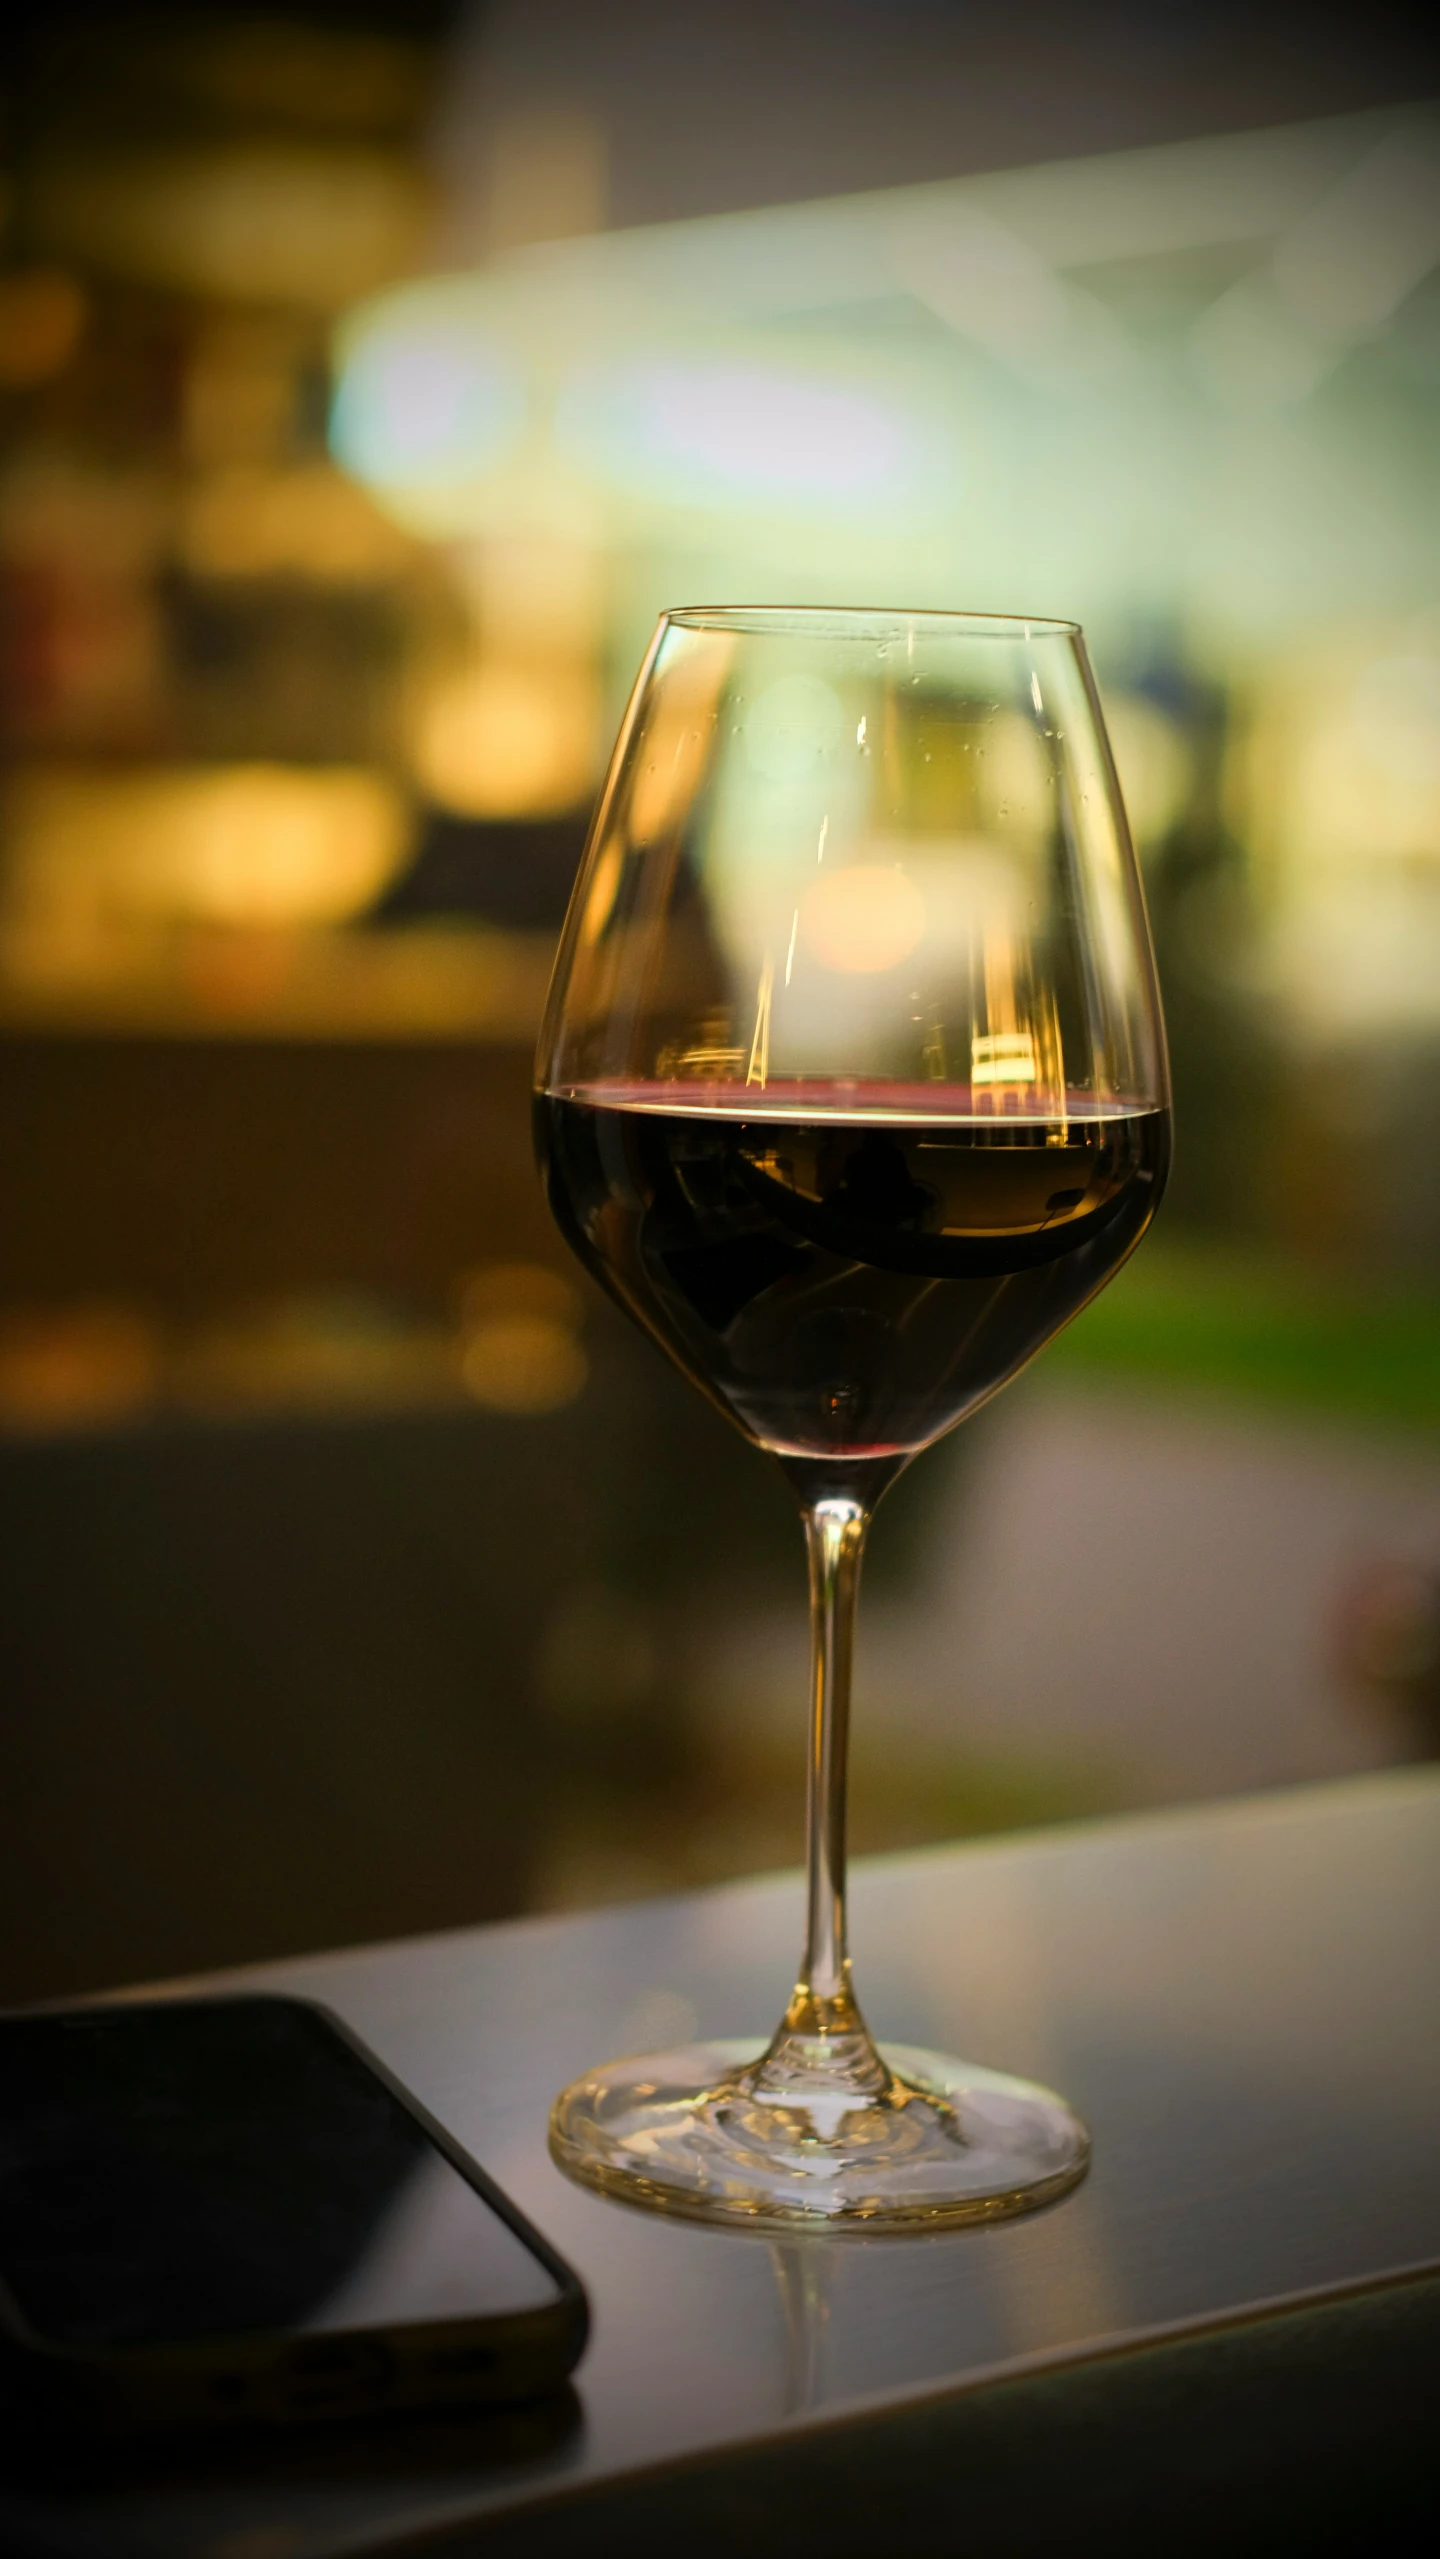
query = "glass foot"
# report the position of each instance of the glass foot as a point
(715, 2133)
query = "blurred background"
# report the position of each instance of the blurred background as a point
(369, 380)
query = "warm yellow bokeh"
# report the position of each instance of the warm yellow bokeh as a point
(862, 919)
(498, 740)
(256, 844)
(520, 1348)
(307, 522)
(42, 320)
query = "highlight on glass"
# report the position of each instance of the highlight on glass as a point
(851, 1091)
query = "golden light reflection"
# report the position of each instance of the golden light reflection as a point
(1019, 1052)
(1002, 1057)
(600, 900)
(664, 785)
(704, 1064)
(757, 1070)
(671, 751)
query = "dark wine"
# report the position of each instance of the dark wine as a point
(849, 1281)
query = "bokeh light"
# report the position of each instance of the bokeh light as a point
(716, 432)
(425, 404)
(862, 919)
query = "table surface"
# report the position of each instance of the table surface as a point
(1242, 2000)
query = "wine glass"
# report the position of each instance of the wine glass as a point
(851, 1091)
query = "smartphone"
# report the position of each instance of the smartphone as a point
(225, 2209)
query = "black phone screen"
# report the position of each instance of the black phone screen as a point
(206, 2168)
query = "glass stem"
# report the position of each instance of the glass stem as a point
(823, 2035)
(835, 1537)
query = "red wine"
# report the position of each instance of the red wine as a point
(849, 1282)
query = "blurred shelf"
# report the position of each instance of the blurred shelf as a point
(408, 983)
(186, 1168)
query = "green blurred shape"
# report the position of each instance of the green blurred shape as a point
(1263, 1332)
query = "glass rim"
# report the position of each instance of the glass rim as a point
(865, 621)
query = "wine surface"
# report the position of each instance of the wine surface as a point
(849, 1282)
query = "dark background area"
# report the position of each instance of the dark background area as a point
(711, 110)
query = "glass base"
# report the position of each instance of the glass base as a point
(707, 2133)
